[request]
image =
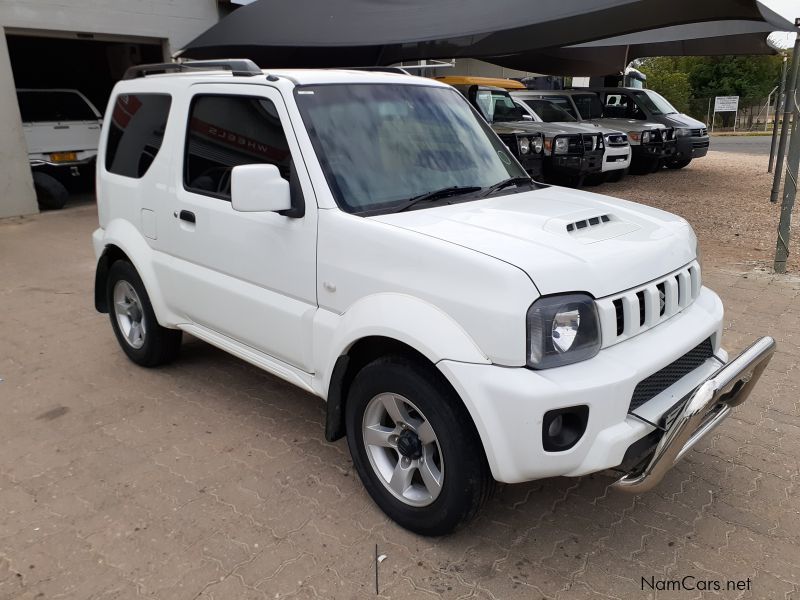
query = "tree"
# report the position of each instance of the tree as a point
(666, 77)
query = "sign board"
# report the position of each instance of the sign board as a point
(726, 104)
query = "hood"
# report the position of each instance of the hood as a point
(681, 120)
(565, 240)
(515, 127)
(625, 125)
(563, 127)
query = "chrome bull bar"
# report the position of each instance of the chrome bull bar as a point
(709, 405)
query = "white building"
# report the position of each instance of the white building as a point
(82, 44)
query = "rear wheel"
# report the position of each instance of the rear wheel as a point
(50, 192)
(141, 337)
(415, 447)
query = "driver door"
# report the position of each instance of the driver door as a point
(250, 277)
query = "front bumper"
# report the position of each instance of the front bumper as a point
(616, 158)
(508, 404)
(653, 151)
(574, 165)
(692, 147)
(708, 406)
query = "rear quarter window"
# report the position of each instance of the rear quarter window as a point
(135, 133)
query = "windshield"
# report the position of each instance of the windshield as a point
(589, 105)
(549, 112)
(383, 144)
(654, 102)
(498, 106)
(50, 105)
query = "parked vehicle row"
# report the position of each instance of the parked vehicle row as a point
(369, 238)
(648, 132)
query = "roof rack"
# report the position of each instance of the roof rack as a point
(239, 67)
(399, 70)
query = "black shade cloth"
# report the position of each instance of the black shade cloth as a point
(311, 33)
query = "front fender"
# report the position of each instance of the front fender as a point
(414, 322)
(126, 237)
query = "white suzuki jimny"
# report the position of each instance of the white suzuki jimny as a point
(367, 237)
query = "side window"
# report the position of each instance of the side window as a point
(615, 106)
(135, 132)
(226, 131)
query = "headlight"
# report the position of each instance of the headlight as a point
(561, 146)
(562, 330)
(635, 136)
(524, 145)
(538, 145)
(645, 137)
(683, 132)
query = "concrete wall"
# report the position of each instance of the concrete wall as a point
(178, 21)
(16, 185)
(175, 22)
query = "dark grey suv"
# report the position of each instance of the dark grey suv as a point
(646, 105)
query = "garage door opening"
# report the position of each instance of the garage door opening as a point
(53, 122)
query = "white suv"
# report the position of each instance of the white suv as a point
(367, 237)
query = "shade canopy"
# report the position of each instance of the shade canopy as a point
(611, 55)
(309, 33)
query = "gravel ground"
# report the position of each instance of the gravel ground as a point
(725, 197)
(209, 479)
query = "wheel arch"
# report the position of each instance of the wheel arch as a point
(122, 241)
(408, 327)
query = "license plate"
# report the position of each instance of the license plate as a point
(63, 156)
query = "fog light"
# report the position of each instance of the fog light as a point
(563, 427)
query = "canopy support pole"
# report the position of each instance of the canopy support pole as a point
(779, 102)
(792, 105)
(788, 109)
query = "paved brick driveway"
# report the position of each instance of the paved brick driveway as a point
(211, 479)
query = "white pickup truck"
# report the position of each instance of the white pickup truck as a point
(369, 238)
(62, 130)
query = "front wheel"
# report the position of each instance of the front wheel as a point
(415, 447)
(146, 343)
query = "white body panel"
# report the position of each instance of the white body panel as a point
(453, 282)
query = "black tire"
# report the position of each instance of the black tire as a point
(50, 192)
(678, 164)
(466, 478)
(160, 345)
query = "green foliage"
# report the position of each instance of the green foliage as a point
(688, 81)
(666, 78)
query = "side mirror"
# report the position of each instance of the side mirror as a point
(527, 118)
(259, 188)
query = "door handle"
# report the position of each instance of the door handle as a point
(186, 215)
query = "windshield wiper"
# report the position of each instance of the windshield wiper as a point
(506, 183)
(453, 190)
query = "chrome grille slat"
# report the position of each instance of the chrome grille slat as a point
(620, 316)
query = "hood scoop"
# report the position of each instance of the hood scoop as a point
(591, 228)
(590, 222)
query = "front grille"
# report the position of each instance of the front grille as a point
(625, 315)
(700, 144)
(699, 132)
(652, 386)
